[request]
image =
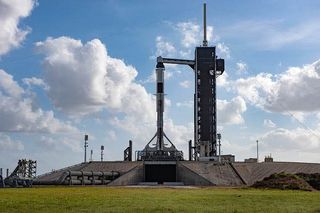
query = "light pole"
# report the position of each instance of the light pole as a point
(257, 151)
(86, 138)
(91, 155)
(102, 148)
(219, 140)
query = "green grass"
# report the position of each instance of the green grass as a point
(105, 199)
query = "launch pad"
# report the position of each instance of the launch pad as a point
(160, 162)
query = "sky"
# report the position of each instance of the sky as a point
(69, 68)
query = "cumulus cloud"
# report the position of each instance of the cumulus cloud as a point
(179, 134)
(230, 112)
(61, 143)
(295, 90)
(19, 113)
(192, 34)
(222, 80)
(283, 140)
(164, 48)
(268, 123)
(83, 78)
(223, 51)
(33, 81)
(7, 144)
(256, 89)
(152, 78)
(11, 12)
(8, 86)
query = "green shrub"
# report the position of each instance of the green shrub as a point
(283, 181)
(312, 179)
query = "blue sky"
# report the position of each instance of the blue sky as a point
(75, 67)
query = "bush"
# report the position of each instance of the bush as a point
(283, 181)
(312, 179)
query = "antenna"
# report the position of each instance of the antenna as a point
(205, 42)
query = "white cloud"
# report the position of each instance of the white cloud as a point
(268, 123)
(152, 78)
(284, 140)
(179, 134)
(228, 112)
(241, 67)
(60, 143)
(231, 112)
(7, 144)
(185, 84)
(83, 78)
(19, 113)
(255, 89)
(35, 81)
(8, 86)
(222, 80)
(295, 90)
(164, 48)
(296, 115)
(223, 51)
(11, 12)
(192, 34)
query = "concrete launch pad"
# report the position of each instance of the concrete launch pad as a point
(193, 173)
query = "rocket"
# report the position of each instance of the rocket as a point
(160, 104)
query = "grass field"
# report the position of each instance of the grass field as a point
(105, 199)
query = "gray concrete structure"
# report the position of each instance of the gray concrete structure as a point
(187, 172)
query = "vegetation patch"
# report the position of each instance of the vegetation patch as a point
(283, 181)
(312, 179)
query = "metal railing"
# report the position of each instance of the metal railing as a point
(159, 155)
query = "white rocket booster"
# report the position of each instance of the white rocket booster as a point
(160, 104)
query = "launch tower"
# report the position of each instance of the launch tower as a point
(207, 67)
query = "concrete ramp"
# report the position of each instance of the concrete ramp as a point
(132, 177)
(190, 177)
(57, 177)
(253, 172)
(54, 177)
(213, 173)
